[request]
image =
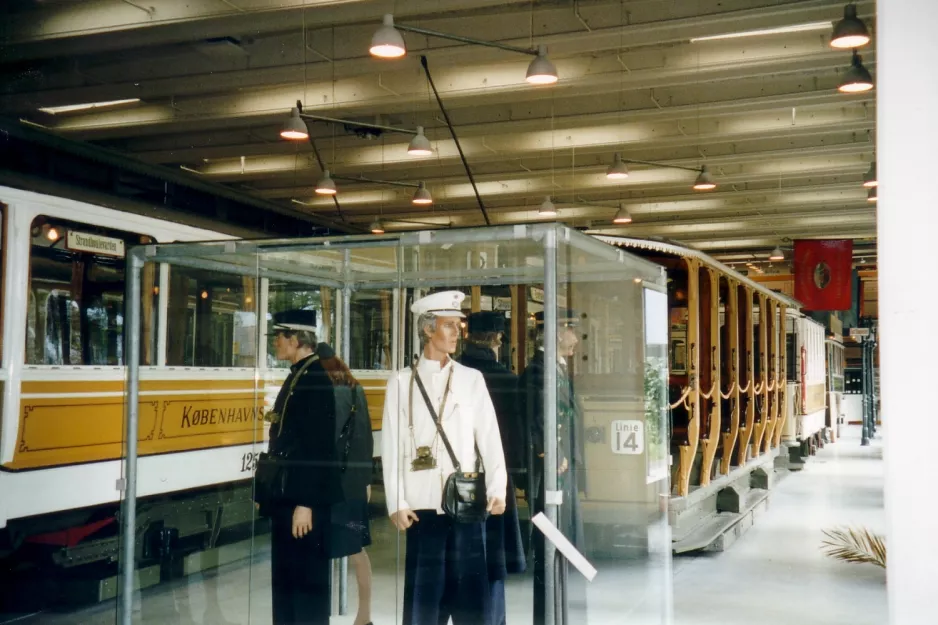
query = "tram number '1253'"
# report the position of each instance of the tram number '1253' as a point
(249, 461)
(628, 437)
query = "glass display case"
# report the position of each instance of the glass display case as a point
(567, 412)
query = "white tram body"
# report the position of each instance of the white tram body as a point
(805, 391)
(205, 378)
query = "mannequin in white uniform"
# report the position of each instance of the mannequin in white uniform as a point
(445, 571)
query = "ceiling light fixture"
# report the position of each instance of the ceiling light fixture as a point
(294, 128)
(420, 145)
(53, 110)
(547, 208)
(777, 254)
(541, 71)
(325, 185)
(618, 170)
(781, 30)
(872, 196)
(388, 43)
(704, 180)
(869, 180)
(857, 79)
(377, 227)
(622, 216)
(850, 32)
(422, 195)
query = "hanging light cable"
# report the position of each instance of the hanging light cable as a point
(857, 78)
(850, 32)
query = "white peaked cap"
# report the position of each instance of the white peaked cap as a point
(442, 304)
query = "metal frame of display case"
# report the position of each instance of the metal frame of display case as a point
(220, 256)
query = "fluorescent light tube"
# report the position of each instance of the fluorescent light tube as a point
(795, 28)
(52, 110)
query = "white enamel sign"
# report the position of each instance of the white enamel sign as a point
(628, 437)
(95, 244)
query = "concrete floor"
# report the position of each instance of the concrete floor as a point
(774, 574)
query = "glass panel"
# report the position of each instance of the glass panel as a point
(200, 419)
(362, 297)
(610, 363)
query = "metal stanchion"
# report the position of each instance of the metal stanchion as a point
(551, 593)
(129, 482)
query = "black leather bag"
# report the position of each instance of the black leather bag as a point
(464, 496)
(270, 478)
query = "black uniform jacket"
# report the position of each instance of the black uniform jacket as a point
(503, 389)
(569, 414)
(355, 441)
(308, 436)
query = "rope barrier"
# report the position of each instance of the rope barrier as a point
(681, 399)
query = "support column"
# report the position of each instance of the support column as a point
(688, 452)
(764, 377)
(748, 344)
(709, 444)
(732, 325)
(907, 232)
(782, 373)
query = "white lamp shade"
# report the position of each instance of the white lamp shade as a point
(387, 42)
(294, 128)
(325, 185)
(541, 71)
(420, 145)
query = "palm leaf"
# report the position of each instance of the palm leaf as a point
(855, 545)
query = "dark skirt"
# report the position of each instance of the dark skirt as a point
(350, 529)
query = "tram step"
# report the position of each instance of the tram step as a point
(84, 590)
(225, 554)
(722, 529)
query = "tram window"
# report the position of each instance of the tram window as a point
(370, 330)
(75, 306)
(282, 296)
(212, 319)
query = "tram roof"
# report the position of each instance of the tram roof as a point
(678, 250)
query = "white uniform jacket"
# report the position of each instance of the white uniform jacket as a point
(468, 420)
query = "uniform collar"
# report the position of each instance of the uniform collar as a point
(432, 367)
(478, 352)
(299, 363)
(560, 359)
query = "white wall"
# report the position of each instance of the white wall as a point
(907, 128)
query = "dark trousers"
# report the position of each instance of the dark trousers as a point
(445, 572)
(299, 571)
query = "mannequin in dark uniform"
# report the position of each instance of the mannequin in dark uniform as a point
(569, 456)
(504, 550)
(303, 422)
